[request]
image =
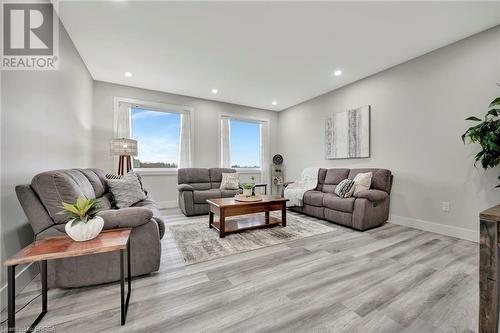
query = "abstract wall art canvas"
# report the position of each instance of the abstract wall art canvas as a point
(347, 134)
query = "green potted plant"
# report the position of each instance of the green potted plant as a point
(247, 189)
(487, 133)
(84, 224)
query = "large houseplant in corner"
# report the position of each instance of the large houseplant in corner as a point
(487, 133)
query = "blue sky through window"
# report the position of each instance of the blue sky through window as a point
(157, 134)
(245, 144)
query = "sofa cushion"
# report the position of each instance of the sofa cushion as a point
(338, 217)
(54, 187)
(97, 179)
(201, 186)
(332, 178)
(193, 175)
(372, 195)
(381, 179)
(332, 201)
(153, 207)
(184, 187)
(313, 198)
(216, 174)
(229, 193)
(200, 197)
(129, 217)
(106, 201)
(321, 179)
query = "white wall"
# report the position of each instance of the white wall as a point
(418, 112)
(163, 187)
(46, 124)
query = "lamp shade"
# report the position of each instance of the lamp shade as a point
(122, 146)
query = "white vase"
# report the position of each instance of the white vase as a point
(81, 232)
(247, 192)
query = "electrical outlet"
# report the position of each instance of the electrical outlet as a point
(445, 206)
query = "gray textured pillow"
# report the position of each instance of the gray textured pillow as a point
(345, 188)
(126, 190)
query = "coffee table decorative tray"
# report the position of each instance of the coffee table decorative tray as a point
(241, 197)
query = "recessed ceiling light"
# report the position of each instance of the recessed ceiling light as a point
(128, 74)
(338, 72)
(215, 91)
(274, 103)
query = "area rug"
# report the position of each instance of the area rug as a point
(198, 243)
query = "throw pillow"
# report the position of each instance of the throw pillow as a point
(230, 181)
(345, 188)
(113, 176)
(362, 182)
(126, 191)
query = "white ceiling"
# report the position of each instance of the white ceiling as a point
(258, 52)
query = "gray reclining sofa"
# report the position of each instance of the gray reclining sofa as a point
(41, 202)
(196, 185)
(365, 210)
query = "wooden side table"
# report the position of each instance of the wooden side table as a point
(64, 247)
(264, 185)
(489, 270)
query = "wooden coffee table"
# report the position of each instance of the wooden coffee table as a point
(64, 247)
(226, 207)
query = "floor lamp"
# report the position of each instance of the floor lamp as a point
(124, 149)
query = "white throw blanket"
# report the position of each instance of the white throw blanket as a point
(294, 192)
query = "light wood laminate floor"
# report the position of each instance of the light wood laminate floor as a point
(390, 279)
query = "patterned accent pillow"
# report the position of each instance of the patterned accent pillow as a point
(345, 188)
(126, 190)
(113, 176)
(230, 181)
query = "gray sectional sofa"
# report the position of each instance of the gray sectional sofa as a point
(366, 210)
(41, 202)
(196, 185)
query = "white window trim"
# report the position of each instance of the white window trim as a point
(161, 107)
(235, 116)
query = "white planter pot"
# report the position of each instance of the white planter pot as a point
(81, 232)
(247, 192)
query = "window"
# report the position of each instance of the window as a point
(158, 137)
(245, 144)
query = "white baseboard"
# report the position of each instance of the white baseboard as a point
(443, 229)
(167, 204)
(23, 278)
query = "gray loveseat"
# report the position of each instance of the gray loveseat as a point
(41, 202)
(196, 185)
(367, 209)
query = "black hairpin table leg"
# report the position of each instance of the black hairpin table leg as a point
(124, 302)
(11, 295)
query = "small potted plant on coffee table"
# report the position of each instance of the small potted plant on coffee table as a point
(247, 189)
(83, 224)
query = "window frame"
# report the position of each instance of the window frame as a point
(249, 119)
(158, 107)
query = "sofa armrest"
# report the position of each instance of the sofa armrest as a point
(130, 217)
(184, 187)
(372, 195)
